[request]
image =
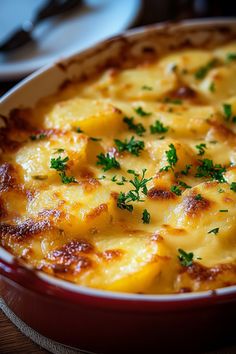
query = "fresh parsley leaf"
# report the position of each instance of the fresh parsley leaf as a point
(186, 259)
(108, 162)
(67, 179)
(95, 139)
(186, 170)
(233, 186)
(171, 158)
(140, 187)
(141, 112)
(212, 87)
(59, 164)
(220, 190)
(209, 170)
(158, 127)
(172, 100)
(227, 111)
(198, 197)
(121, 182)
(38, 137)
(214, 231)
(146, 217)
(147, 88)
(137, 128)
(231, 56)
(201, 149)
(176, 190)
(133, 146)
(223, 210)
(184, 185)
(203, 70)
(78, 130)
(59, 151)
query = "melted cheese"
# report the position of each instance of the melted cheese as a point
(67, 220)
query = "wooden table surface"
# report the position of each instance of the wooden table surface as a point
(13, 341)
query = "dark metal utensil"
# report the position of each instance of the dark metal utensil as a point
(23, 35)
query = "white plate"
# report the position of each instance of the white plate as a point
(59, 38)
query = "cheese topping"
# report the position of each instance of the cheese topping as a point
(127, 181)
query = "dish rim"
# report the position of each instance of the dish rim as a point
(10, 267)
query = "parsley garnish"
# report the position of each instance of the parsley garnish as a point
(227, 111)
(108, 162)
(158, 128)
(198, 197)
(233, 186)
(186, 170)
(214, 231)
(141, 112)
(176, 190)
(203, 70)
(212, 87)
(223, 210)
(171, 158)
(38, 137)
(140, 186)
(186, 259)
(172, 100)
(201, 149)
(137, 128)
(67, 179)
(147, 88)
(59, 151)
(183, 184)
(121, 182)
(220, 190)
(59, 164)
(133, 146)
(146, 217)
(231, 56)
(78, 130)
(95, 139)
(209, 170)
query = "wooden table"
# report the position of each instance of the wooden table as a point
(13, 341)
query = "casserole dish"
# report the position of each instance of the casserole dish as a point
(101, 321)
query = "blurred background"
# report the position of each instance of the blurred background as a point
(53, 29)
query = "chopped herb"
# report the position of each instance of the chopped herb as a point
(59, 164)
(132, 172)
(121, 182)
(172, 100)
(133, 146)
(184, 185)
(102, 177)
(78, 130)
(212, 87)
(140, 186)
(233, 186)
(223, 210)
(67, 179)
(146, 217)
(59, 151)
(141, 112)
(176, 190)
(209, 170)
(203, 70)
(171, 158)
(40, 177)
(227, 111)
(220, 190)
(38, 137)
(231, 56)
(108, 162)
(137, 128)
(186, 259)
(198, 197)
(214, 231)
(186, 170)
(234, 119)
(158, 128)
(95, 139)
(201, 149)
(147, 88)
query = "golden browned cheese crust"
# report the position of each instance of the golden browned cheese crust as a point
(127, 181)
